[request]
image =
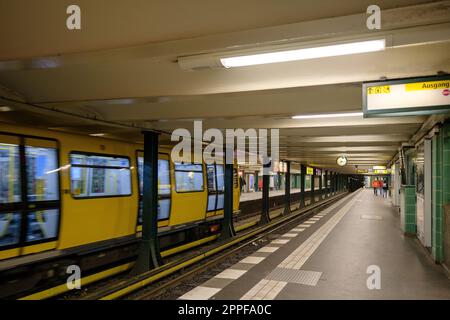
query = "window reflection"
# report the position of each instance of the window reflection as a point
(216, 186)
(42, 225)
(41, 173)
(9, 229)
(9, 173)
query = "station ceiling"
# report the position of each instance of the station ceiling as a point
(121, 68)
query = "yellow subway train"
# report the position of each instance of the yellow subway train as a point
(74, 197)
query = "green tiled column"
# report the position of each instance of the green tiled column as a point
(436, 238)
(409, 209)
(441, 188)
(446, 164)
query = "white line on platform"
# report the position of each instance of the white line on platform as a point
(231, 274)
(268, 249)
(252, 260)
(199, 293)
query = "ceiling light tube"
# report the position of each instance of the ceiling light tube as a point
(329, 115)
(304, 53)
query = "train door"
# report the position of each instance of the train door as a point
(29, 195)
(164, 188)
(216, 188)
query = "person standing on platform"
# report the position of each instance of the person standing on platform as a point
(385, 188)
(242, 183)
(375, 186)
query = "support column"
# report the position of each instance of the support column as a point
(327, 190)
(320, 185)
(287, 189)
(335, 183)
(149, 256)
(302, 185)
(313, 187)
(227, 230)
(265, 216)
(332, 183)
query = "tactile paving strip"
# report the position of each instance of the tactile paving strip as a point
(307, 278)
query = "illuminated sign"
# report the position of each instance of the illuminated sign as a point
(362, 171)
(318, 172)
(382, 171)
(309, 171)
(416, 96)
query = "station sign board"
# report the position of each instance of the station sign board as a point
(309, 171)
(362, 171)
(318, 172)
(413, 96)
(382, 171)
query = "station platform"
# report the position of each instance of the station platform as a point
(332, 256)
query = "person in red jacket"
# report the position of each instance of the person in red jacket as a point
(375, 186)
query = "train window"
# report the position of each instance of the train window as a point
(163, 188)
(220, 201)
(42, 225)
(188, 177)
(211, 177)
(42, 174)
(212, 202)
(220, 178)
(9, 173)
(99, 176)
(216, 186)
(163, 176)
(163, 209)
(9, 228)
(215, 178)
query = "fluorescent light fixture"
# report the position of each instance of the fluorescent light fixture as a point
(278, 53)
(329, 115)
(305, 53)
(97, 134)
(5, 109)
(379, 167)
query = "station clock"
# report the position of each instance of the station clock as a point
(342, 161)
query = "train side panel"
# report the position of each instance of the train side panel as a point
(88, 220)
